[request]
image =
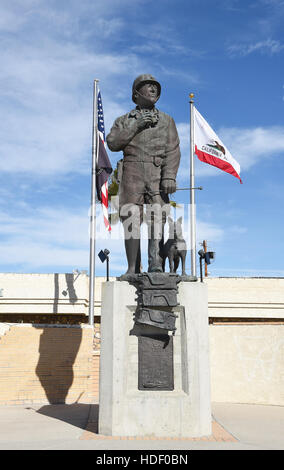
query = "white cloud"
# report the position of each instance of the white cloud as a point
(184, 135)
(46, 98)
(209, 231)
(269, 46)
(276, 3)
(30, 256)
(250, 146)
(56, 226)
(109, 27)
(43, 237)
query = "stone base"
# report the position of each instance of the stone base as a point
(127, 411)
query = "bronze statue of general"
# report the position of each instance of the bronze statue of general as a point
(150, 145)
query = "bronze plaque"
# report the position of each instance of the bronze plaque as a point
(155, 362)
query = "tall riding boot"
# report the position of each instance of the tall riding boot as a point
(131, 227)
(156, 223)
(155, 260)
(155, 250)
(133, 254)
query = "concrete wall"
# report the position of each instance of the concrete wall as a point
(246, 297)
(69, 293)
(247, 363)
(65, 294)
(247, 340)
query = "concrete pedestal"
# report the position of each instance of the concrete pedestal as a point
(126, 411)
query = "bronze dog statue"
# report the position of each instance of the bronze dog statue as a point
(175, 248)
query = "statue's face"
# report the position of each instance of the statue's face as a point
(150, 91)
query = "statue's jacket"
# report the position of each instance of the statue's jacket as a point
(158, 144)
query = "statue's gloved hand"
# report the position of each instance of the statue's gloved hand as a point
(144, 120)
(168, 186)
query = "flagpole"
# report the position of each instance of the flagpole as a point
(93, 205)
(192, 190)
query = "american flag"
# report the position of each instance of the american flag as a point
(103, 168)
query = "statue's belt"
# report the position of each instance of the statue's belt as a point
(148, 158)
(153, 159)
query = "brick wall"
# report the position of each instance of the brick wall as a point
(47, 364)
(96, 375)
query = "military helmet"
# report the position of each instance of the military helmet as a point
(139, 81)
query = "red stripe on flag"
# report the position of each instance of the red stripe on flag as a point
(107, 224)
(217, 162)
(104, 198)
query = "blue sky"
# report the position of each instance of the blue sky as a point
(230, 53)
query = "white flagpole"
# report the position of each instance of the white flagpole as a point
(93, 205)
(192, 193)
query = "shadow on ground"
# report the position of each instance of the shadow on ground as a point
(77, 414)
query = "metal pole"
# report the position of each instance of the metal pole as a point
(200, 263)
(107, 260)
(93, 206)
(187, 189)
(192, 192)
(205, 251)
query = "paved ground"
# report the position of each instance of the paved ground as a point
(74, 427)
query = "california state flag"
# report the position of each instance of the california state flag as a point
(210, 149)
